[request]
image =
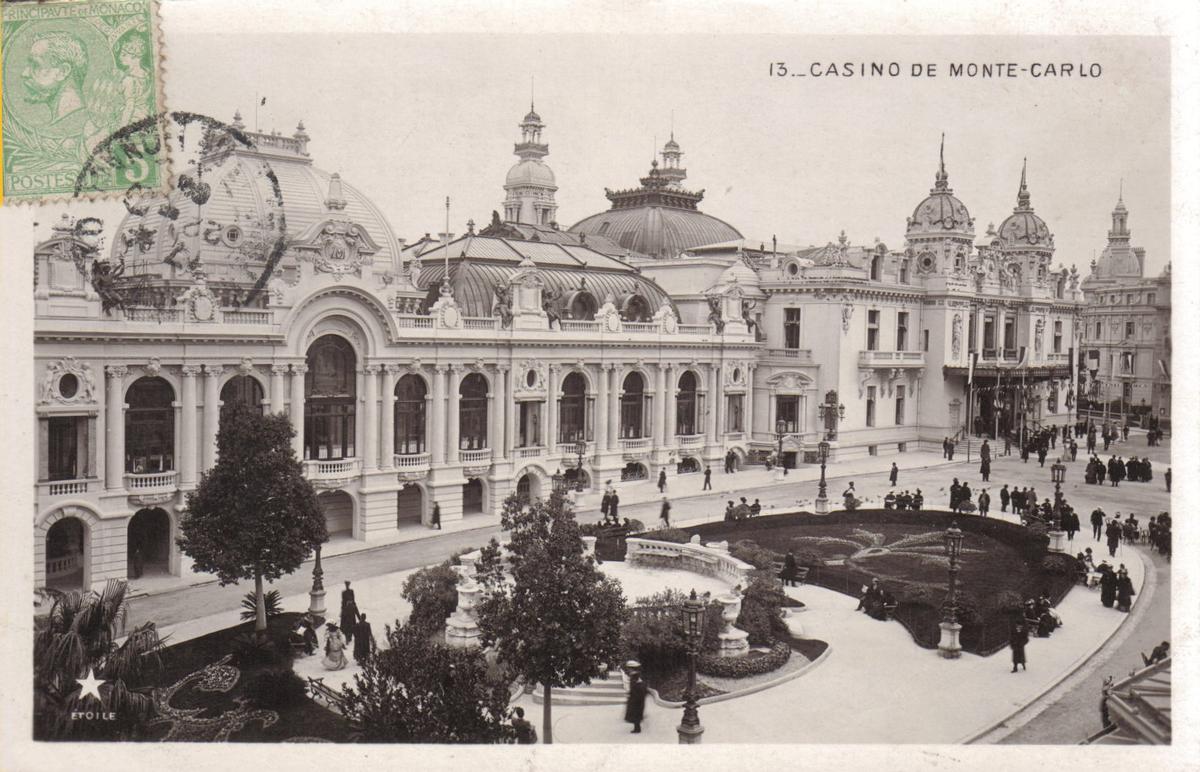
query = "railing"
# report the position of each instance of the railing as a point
(475, 456)
(64, 488)
(696, 329)
(891, 358)
(639, 326)
(479, 323)
(572, 448)
(798, 354)
(410, 321)
(635, 443)
(690, 557)
(152, 481)
(578, 325)
(531, 452)
(410, 460)
(340, 468)
(689, 440)
(242, 316)
(1058, 358)
(150, 314)
(56, 567)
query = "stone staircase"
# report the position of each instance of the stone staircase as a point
(600, 691)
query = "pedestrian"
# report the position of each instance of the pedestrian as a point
(918, 501)
(1167, 477)
(605, 503)
(985, 451)
(1041, 454)
(1108, 584)
(950, 450)
(1074, 450)
(1016, 641)
(364, 640)
(635, 705)
(1125, 432)
(755, 509)
(895, 473)
(729, 512)
(1125, 591)
(526, 734)
(985, 469)
(1097, 523)
(985, 501)
(1070, 523)
(139, 561)
(349, 615)
(1004, 498)
(1113, 534)
(664, 514)
(707, 478)
(435, 517)
(662, 481)
(945, 447)
(613, 503)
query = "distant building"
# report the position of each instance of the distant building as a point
(1126, 354)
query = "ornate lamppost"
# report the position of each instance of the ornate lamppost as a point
(580, 449)
(822, 498)
(689, 729)
(780, 433)
(1058, 473)
(949, 646)
(831, 412)
(316, 596)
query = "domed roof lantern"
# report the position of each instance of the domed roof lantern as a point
(301, 137)
(335, 200)
(1023, 192)
(237, 120)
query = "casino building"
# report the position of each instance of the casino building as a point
(458, 370)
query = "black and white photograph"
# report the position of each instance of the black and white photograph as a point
(437, 375)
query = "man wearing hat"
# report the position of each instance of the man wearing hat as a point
(635, 705)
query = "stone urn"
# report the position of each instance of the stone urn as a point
(734, 642)
(589, 546)
(461, 628)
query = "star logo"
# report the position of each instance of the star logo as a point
(89, 685)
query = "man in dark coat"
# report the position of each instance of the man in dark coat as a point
(955, 491)
(1124, 590)
(918, 501)
(790, 568)
(1016, 641)
(364, 639)
(1113, 535)
(707, 478)
(1097, 523)
(526, 734)
(605, 502)
(1108, 585)
(349, 615)
(985, 451)
(435, 517)
(635, 705)
(964, 496)
(1004, 498)
(985, 469)
(985, 501)
(662, 480)
(613, 501)
(895, 473)
(1041, 453)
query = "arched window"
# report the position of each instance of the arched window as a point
(330, 393)
(473, 412)
(636, 308)
(633, 407)
(572, 411)
(582, 305)
(150, 427)
(242, 390)
(686, 402)
(409, 415)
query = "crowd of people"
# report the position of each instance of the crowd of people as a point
(351, 629)
(742, 510)
(904, 500)
(877, 601)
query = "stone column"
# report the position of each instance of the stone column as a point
(601, 421)
(714, 375)
(387, 418)
(748, 407)
(297, 408)
(510, 410)
(371, 417)
(719, 405)
(499, 414)
(614, 407)
(552, 411)
(437, 415)
(212, 413)
(659, 414)
(187, 427)
(114, 430)
(278, 374)
(453, 442)
(672, 411)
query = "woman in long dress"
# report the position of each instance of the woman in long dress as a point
(1017, 640)
(335, 648)
(1124, 590)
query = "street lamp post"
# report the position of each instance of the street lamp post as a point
(948, 646)
(831, 412)
(780, 432)
(689, 729)
(822, 498)
(580, 449)
(316, 596)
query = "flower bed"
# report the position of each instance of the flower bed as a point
(755, 663)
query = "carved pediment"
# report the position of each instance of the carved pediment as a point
(789, 380)
(337, 247)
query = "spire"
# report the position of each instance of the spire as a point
(941, 182)
(1120, 219)
(1023, 192)
(530, 183)
(672, 171)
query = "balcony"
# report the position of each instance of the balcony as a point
(413, 322)
(578, 325)
(480, 456)
(639, 326)
(799, 356)
(533, 451)
(480, 323)
(154, 482)
(689, 440)
(635, 443)
(64, 487)
(332, 473)
(891, 359)
(243, 316)
(571, 449)
(411, 466)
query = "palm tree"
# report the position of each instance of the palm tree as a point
(80, 635)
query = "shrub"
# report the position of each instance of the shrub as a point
(433, 594)
(749, 552)
(250, 650)
(675, 535)
(1060, 565)
(808, 557)
(636, 526)
(271, 600)
(656, 642)
(744, 667)
(276, 689)
(1006, 602)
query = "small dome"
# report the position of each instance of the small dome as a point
(1024, 228)
(530, 172)
(739, 273)
(657, 231)
(533, 117)
(671, 144)
(939, 213)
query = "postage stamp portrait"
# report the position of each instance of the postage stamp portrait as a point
(75, 73)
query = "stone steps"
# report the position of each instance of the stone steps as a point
(610, 691)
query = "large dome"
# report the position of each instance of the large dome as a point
(941, 212)
(657, 231)
(529, 172)
(1023, 229)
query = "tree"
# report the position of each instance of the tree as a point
(552, 616)
(253, 516)
(79, 637)
(418, 691)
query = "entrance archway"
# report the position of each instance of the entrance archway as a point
(339, 512)
(148, 543)
(573, 478)
(634, 471)
(472, 497)
(685, 405)
(410, 504)
(66, 546)
(688, 465)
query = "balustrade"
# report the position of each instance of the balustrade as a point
(410, 460)
(152, 481)
(475, 456)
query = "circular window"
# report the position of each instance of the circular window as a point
(232, 235)
(531, 378)
(68, 386)
(927, 262)
(737, 375)
(793, 269)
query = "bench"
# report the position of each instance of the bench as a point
(801, 572)
(321, 692)
(889, 610)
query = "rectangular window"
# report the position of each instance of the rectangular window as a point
(925, 340)
(904, 271)
(1010, 335)
(1127, 363)
(1128, 299)
(870, 406)
(1097, 330)
(734, 421)
(971, 333)
(67, 448)
(530, 425)
(872, 331)
(787, 409)
(872, 450)
(1127, 392)
(899, 406)
(1058, 337)
(1150, 298)
(989, 334)
(902, 331)
(1128, 329)
(791, 328)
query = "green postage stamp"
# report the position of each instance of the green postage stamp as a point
(81, 92)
